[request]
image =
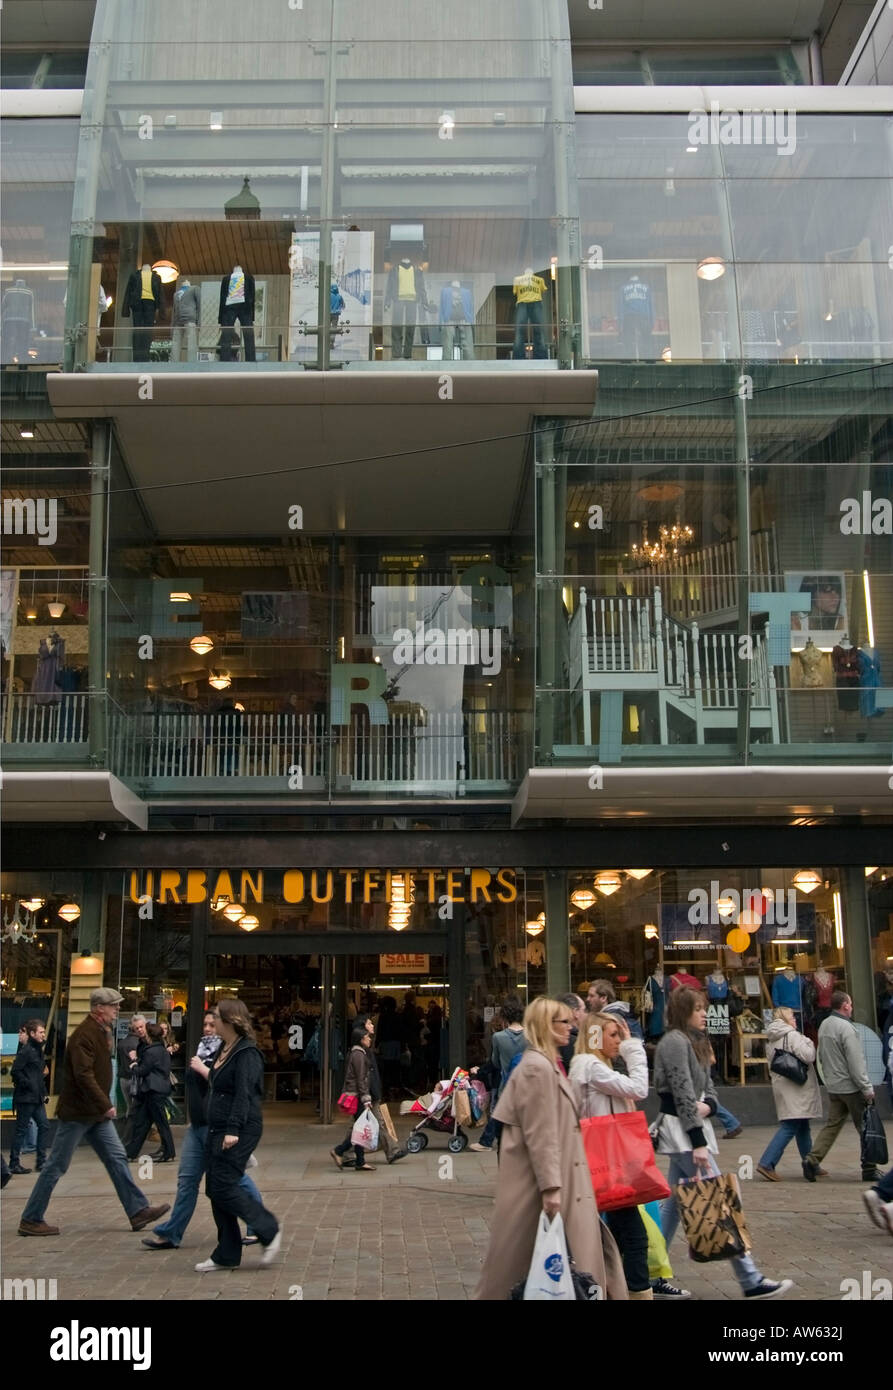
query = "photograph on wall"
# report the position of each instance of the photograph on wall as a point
(824, 613)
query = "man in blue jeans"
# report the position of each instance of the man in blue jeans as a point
(84, 1109)
(193, 1154)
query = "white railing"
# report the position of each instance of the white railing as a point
(703, 583)
(229, 744)
(434, 747)
(618, 633)
(30, 719)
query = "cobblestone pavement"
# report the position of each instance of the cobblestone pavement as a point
(417, 1230)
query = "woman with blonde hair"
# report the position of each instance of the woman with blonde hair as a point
(542, 1166)
(235, 1124)
(795, 1105)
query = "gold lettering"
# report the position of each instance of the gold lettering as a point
(370, 881)
(168, 882)
(293, 886)
(223, 888)
(453, 888)
(431, 875)
(480, 882)
(349, 876)
(254, 885)
(135, 894)
(196, 886)
(314, 887)
(511, 889)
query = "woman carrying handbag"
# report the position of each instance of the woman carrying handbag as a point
(150, 1070)
(601, 1090)
(795, 1090)
(684, 1132)
(358, 1087)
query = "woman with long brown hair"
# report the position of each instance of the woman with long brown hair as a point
(542, 1166)
(687, 1100)
(235, 1125)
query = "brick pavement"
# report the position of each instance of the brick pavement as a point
(417, 1230)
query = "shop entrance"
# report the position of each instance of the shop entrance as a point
(305, 1008)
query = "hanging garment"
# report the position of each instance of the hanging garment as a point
(658, 995)
(869, 682)
(717, 990)
(847, 677)
(50, 660)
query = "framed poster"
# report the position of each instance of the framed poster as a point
(824, 611)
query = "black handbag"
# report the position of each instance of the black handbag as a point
(786, 1065)
(874, 1140)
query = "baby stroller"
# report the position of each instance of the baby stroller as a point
(439, 1113)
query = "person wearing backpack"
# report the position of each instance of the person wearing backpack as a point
(506, 1045)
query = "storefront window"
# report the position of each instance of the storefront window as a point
(38, 932)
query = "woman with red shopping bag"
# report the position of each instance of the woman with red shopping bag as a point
(604, 1093)
(357, 1081)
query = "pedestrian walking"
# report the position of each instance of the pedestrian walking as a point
(795, 1105)
(845, 1074)
(358, 1083)
(600, 1090)
(505, 1046)
(235, 1125)
(193, 1157)
(543, 1168)
(85, 1111)
(879, 1202)
(134, 1040)
(30, 1144)
(150, 1071)
(601, 998)
(392, 1152)
(687, 1100)
(29, 1096)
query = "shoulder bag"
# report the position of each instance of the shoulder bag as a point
(789, 1067)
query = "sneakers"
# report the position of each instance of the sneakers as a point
(252, 1161)
(37, 1228)
(768, 1173)
(768, 1288)
(209, 1267)
(272, 1250)
(880, 1212)
(481, 1148)
(148, 1215)
(810, 1169)
(18, 1170)
(872, 1175)
(662, 1288)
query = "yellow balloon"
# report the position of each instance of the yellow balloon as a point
(750, 921)
(738, 939)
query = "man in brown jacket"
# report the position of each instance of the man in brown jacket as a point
(85, 1108)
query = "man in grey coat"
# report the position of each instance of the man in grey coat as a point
(845, 1074)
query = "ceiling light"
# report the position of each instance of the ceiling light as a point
(234, 912)
(807, 880)
(790, 941)
(533, 928)
(239, 706)
(725, 906)
(33, 904)
(31, 615)
(216, 120)
(202, 645)
(638, 873)
(249, 923)
(181, 597)
(605, 961)
(583, 898)
(167, 271)
(220, 680)
(838, 921)
(651, 932)
(691, 149)
(667, 355)
(55, 609)
(26, 432)
(220, 902)
(608, 882)
(69, 912)
(711, 268)
(869, 872)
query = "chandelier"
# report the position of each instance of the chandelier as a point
(17, 928)
(671, 539)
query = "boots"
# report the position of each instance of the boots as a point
(646, 1294)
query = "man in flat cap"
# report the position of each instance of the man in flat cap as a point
(85, 1108)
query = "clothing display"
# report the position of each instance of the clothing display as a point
(142, 300)
(50, 662)
(405, 289)
(17, 320)
(656, 990)
(787, 991)
(636, 316)
(847, 677)
(811, 660)
(529, 290)
(680, 978)
(185, 313)
(236, 305)
(717, 987)
(869, 682)
(456, 319)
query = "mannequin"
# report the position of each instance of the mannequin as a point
(236, 303)
(456, 318)
(847, 677)
(717, 987)
(825, 985)
(680, 978)
(17, 316)
(869, 681)
(184, 323)
(405, 289)
(50, 661)
(811, 661)
(529, 291)
(636, 314)
(656, 991)
(142, 300)
(787, 991)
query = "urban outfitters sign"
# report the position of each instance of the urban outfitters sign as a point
(322, 885)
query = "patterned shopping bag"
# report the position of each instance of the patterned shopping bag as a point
(712, 1218)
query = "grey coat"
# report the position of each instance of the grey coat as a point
(680, 1081)
(793, 1102)
(841, 1059)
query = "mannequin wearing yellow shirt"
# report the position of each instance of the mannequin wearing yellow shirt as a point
(529, 291)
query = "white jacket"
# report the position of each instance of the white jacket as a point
(601, 1090)
(793, 1102)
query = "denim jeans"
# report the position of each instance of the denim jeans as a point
(787, 1130)
(28, 1118)
(490, 1133)
(532, 313)
(30, 1143)
(727, 1119)
(193, 1159)
(681, 1167)
(884, 1188)
(103, 1137)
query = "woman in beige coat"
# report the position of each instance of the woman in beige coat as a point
(795, 1105)
(543, 1168)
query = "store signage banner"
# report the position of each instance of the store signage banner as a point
(321, 885)
(404, 965)
(718, 1020)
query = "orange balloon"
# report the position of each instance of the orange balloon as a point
(738, 939)
(750, 921)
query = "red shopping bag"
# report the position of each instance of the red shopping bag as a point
(621, 1161)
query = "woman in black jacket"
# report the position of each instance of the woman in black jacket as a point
(235, 1125)
(150, 1072)
(357, 1082)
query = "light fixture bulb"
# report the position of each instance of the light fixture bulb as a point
(202, 645)
(234, 912)
(583, 898)
(55, 609)
(249, 923)
(69, 912)
(638, 873)
(608, 882)
(181, 597)
(807, 880)
(711, 268)
(220, 680)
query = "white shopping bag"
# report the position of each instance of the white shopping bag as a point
(549, 1278)
(365, 1131)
